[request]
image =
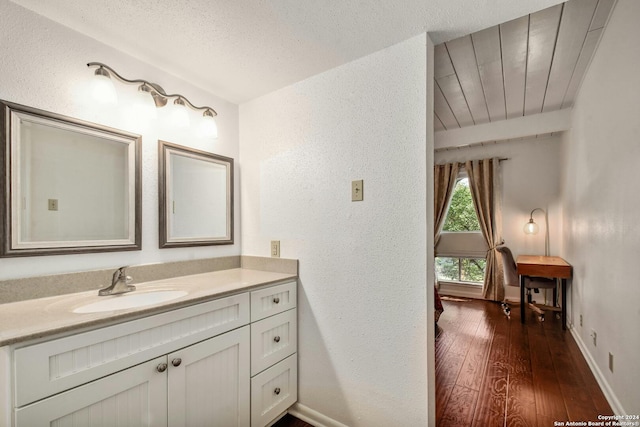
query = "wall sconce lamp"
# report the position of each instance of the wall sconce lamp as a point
(532, 228)
(104, 92)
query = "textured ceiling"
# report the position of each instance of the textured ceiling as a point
(241, 49)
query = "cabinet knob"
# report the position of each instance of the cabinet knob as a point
(277, 390)
(276, 338)
(276, 300)
(161, 367)
(176, 362)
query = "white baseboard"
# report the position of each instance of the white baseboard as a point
(313, 417)
(602, 382)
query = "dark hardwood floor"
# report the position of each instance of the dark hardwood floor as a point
(494, 371)
(290, 421)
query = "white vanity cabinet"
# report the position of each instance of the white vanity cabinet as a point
(204, 384)
(208, 380)
(200, 365)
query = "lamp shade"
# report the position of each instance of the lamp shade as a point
(102, 89)
(209, 126)
(531, 227)
(179, 114)
(144, 107)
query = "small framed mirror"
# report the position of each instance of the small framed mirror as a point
(69, 186)
(195, 197)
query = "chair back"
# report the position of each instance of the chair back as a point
(509, 267)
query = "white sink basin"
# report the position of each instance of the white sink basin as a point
(132, 300)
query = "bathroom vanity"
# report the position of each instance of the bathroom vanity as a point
(221, 351)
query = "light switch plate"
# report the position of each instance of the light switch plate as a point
(357, 191)
(275, 249)
(611, 362)
(53, 204)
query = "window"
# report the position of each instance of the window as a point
(470, 270)
(461, 215)
(460, 254)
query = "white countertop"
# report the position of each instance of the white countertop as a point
(48, 317)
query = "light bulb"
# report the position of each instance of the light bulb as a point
(179, 114)
(102, 89)
(209, 126)
(531, 227)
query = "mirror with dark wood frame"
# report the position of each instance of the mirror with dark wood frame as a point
(195, 197)
(69, 186)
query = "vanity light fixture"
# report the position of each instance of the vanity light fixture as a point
(532, 228)
(105, 92)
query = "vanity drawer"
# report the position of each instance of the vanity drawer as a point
(51, 367)
(273, 391)
(273, 300)
(273, 339)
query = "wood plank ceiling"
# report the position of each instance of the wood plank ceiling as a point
(530, 65)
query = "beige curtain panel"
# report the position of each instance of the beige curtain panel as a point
(483, 175)
(445, 177)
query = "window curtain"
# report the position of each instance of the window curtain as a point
(444, 179)
(485, 191)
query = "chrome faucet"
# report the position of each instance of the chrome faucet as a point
(119, 283)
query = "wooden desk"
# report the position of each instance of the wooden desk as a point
(544, 266)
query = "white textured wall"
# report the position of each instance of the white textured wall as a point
(530, 179)
(602, 207)
(362, 298)
(44, 66)
(431, 268)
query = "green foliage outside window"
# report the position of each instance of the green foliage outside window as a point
(461, 216)
(460, 269)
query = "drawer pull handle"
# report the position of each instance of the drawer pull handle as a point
(276, 338)
(176, 362)
(276, 300)
(161, 367)
(277, 390)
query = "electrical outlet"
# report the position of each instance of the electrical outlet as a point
(53, 204)
(594, 335)
(611, 362)
(581, 320)
(356, 191)
(275, 249)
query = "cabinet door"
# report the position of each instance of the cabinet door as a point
(134, 397)
(209, 382)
